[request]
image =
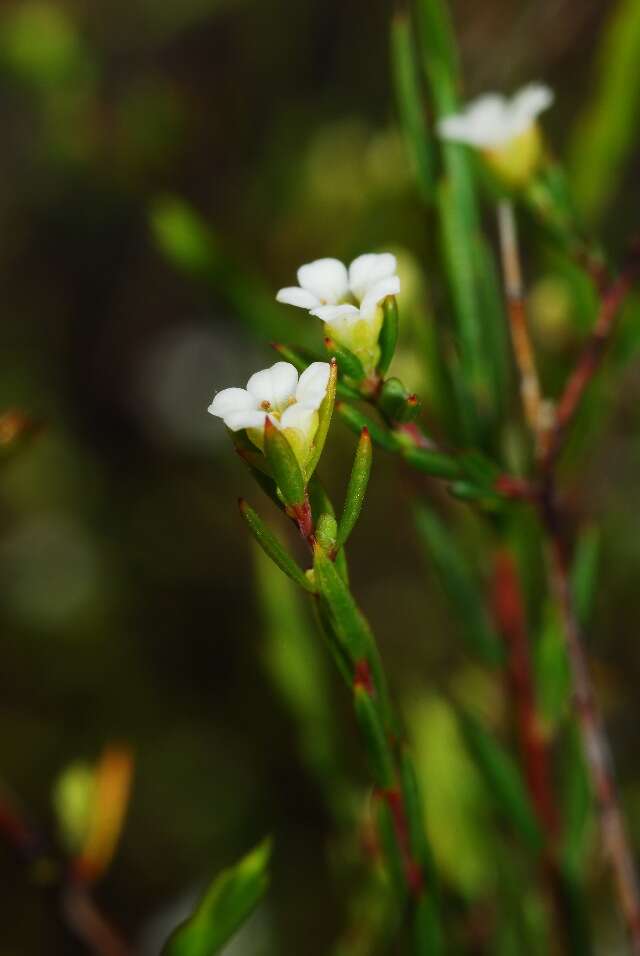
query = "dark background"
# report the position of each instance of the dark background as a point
(127, 605)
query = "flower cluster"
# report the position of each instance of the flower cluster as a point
(505, 130)
(347, 300)
(290, 403)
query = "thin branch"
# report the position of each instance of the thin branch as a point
(79, 911)
(589, 360)
(514, 291)
(594, 739)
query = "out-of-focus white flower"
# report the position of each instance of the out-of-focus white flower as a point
(504, 129)
(347, 300)
(291, 404)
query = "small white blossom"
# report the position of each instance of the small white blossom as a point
(492, 120)
(291, 403)
(347, 300)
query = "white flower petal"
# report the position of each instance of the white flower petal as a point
(297, 416)
(368, 269)
(294, 295)
(331, 313)
(528, 103)
(274, 385)
(492, 120)
(380, 291)
(245, 419)
(312, 386)
(325, 278)
(231, 400)
(484, 122)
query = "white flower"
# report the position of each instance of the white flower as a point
(347, 301)
(291, 404)
(491, 121)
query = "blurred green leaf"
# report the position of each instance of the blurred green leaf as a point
(503, 779)
(584, 573)
(409, 99)
(553, 677)
(228, 902)
(431, 462)
(455, 804)
(375, 738)
(356, 488)
(297, 665)
(192, 246)
(357, 420)
(40, 44)
(459, 585)
(577, 803)
(607, 132)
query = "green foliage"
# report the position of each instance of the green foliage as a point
(409, 98)
(284, 465)
(503, 780)
(460, 586)
(607, 132)
(272, 547)
(228, 902)
(356, 488)
(388, 334)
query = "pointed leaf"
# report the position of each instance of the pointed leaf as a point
(348, 621)
(376, 743)
(460, 586)
(410, 105)
(325, 413)
(271, 546)
(356, 421)
(228, 902)
(503, 779)
(284, 465)
(348, 362)
(357, 487)
(388, 338)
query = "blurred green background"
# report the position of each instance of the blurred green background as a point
(132, 606)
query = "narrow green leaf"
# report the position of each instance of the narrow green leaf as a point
(606, 134)
(410, 104)
(503, 779)
(228, 902)
(392, 853)
(577, 803)
(325, 413)
(434, 463)
(414, 811)
(356, 488)
(460, 586)
(271, 546)
(357, 420)
(437, 35)
(348, 363)
(376, 743)
(284, 465)
(388, 338)
(192, 246)
(346, 618)
(427, 927)
(300, 358)
(297, 667)
(584, 572)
